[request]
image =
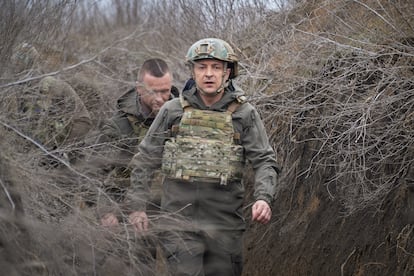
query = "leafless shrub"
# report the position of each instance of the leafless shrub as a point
(61, 197)
(32, 22)
(350, 112)
(336, 95)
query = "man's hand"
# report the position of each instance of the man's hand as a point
(109, 220)
(139, 220)
(261, 212)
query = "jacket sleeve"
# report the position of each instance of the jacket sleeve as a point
(117, 135)
(115, 127)
(113, 158)
(261, 155)
(147, 161)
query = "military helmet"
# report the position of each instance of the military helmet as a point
(213, 48)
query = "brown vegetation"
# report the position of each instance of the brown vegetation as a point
(333, 81)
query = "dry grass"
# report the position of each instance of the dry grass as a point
(333, 81)
(349, 103)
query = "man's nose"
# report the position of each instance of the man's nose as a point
(158, 96)
(209, 71)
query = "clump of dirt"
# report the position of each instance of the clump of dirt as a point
(313, 238)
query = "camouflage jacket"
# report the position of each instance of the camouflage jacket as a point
(55, 116)
(207, 205)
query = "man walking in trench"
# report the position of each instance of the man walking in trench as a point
(202, 142)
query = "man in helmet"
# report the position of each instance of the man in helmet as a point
(202, 142)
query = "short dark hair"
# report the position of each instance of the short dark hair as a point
(155, 67)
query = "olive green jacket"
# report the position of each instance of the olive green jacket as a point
(121, 135)
(126, 128)
(205, 205)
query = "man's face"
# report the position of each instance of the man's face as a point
(208, 74)
(154, 92)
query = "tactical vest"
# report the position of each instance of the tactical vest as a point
(204, 147)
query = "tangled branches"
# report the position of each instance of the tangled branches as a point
(356, 118)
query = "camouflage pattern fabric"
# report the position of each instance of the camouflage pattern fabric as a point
(214, 48)
(207, 204)
(53, 115)
(204, 148)
(58, 115)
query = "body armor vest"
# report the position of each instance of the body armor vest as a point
(204, 147)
